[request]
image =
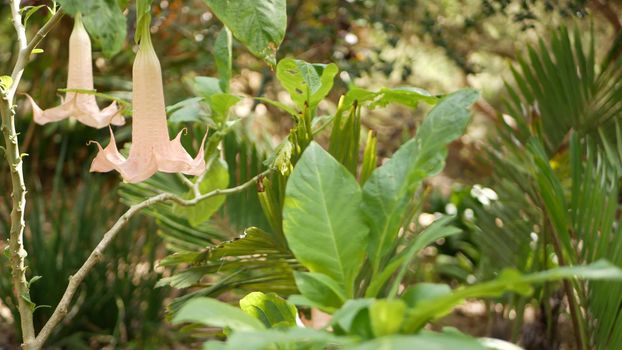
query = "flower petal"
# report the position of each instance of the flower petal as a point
(175, 159)
(88, 113)
(61, 112)
(132, 170)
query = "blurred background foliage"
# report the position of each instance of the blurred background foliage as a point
(437, 45)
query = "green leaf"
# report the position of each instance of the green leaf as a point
(103, 20)
(386, 316)
(217, 177)
(5, 83)
(294, 338)
(390, 188)
(508, 281)
(270, 309)
(406, 96)
(320, 289)
(307, 83)
(206, 87)
(424, 340)
(322, 220)
(223, 57)
(258, 24)
(214, 313)
(28, 11)
(188, 110)
(36, 51)
(221, 104)
(353, 318)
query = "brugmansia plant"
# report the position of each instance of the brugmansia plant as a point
(81, 106)
(329, 230)
(151, 149)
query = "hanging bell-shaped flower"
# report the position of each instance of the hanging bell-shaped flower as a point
(151, 149)
(82, 107)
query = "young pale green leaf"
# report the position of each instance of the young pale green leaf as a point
(214, 313)
(258, 24)
(223, 57)
(221, 104)
(5, 83)
(321, 290)
(306, 83)
(322, 220)
(270, 309)
(217, 177)
(390, 188)
(386, 316)
(206, 87)
(103, 20)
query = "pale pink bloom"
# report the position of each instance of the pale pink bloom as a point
(151, 149)
(83, 107)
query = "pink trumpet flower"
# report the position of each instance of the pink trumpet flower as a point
(81, 106)
(151, 149)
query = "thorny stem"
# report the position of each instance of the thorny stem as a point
(74, 281)
(17, 253)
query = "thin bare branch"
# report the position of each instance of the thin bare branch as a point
(74, 281)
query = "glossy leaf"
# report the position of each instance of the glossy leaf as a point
(270, 309)
(322, 220)
(306, 83)
(214, 313)
(104, 21)
(258, 24)
(321, 290)
(389, 189)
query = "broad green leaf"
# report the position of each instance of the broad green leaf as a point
(422, 292)
(293, 338)
(217, 177)
(214, 313)
(390, 188)
(322, 220)
(386, 316)
(223, 57)
(258, 24)
(508, 281)
(221, 104)
(320, 289)
(406, 96)
(424, 340)
(206, 87)
(349, 318)
(270, 309)
(103, 20)
(306, 83)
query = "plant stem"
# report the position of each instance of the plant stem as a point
(74, 281)
(17, 253)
